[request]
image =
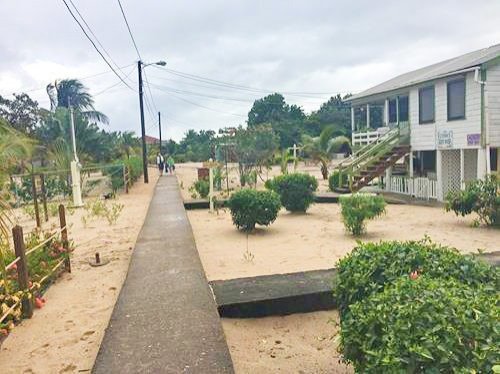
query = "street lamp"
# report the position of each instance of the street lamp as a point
(140, 66)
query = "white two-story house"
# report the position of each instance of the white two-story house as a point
(452, 112)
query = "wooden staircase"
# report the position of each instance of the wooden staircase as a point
(374, 159)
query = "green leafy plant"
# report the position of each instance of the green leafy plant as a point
(296, 190)
(99, 209)
(202, 187)
(250, 207)
(357, 208)
(423, 325)
(335, 182)
(479, 196)
(371, 266)
(113, 213)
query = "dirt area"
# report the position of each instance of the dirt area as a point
(317, 239)
(299, 343)
(188, 174)
(64, 336)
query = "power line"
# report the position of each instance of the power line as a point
(207, 108)
(94, 45)
(114, 85)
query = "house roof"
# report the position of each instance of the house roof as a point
(151, 139)
(434, 71)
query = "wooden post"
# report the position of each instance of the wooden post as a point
(35, 200)
(44, 197)
(22, 269)
(64, 236)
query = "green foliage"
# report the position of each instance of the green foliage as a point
(296, 190)
(371, 266)
(100, 209)
(250, 207)
(357, 208)
(479, 196)
(423, 325)
(417, 307)
(202, 187)
(334, 180)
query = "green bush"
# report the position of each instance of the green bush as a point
(334, 180)
(357, 208)
(250, 207)
(423, 325)
(202, 186)
(296, 190)
(479, 196)
(371, 266)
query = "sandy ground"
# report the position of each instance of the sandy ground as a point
(65, 335)
(299, 343)
(316, 240)
(188, 174)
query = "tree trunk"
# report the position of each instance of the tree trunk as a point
(324, 170)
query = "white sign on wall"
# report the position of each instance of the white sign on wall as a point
(445, 138)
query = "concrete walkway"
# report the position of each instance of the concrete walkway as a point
(165, 319)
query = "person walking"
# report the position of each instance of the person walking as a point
(171, 164)
(160, 161)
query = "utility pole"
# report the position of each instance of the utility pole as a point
(143, 128)
(75, 164)
(159, 128)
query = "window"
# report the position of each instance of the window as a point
(426, 104)
(403, 108)
(456, 99)
(393, 111)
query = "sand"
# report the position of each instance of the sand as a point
(188, 174)
(299, 343)
(316, 240)
(65, 335)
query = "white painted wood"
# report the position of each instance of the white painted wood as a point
(368, 115)
(352, 123)
(386, 112)
(492, 89)
(462, 169)
(439, 175)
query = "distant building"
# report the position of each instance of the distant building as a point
(151, 140)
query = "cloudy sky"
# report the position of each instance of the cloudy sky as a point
(233, 51)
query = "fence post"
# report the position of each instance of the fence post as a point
(35, 200)
(44, 197)
(22, 269)
(64, 236)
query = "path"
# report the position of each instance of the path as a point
(165, 319)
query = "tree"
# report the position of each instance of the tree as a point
(287, 121)
(335, 112)
(127, 142)
(22, 113)
(73, 92)
(322, 147)
(253, 148)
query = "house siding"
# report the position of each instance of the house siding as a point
(424, 136)
(493, 95)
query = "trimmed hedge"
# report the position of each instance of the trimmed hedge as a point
(417, 307)
(296, 190)
(357, 208)
(423, 325)
(250, 207)
(371, 266)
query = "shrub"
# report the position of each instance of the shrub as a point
(371, 266)
(250, 207)
(357, 208)
(295, 190)
(424, 325)
(479, 196)
(334, 180)
(202, 186)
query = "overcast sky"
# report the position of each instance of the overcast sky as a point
(299, 47)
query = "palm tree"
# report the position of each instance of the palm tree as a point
(73, 92)
(13, 147)
(127, 142)
(322, 148)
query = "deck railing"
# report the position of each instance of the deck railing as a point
(418, 187)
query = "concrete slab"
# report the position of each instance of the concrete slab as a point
(165, 319)
(278, 294)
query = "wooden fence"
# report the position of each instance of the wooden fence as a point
(20, 263)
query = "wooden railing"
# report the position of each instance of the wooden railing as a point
(418, 187)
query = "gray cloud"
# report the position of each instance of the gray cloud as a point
(313, 46)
